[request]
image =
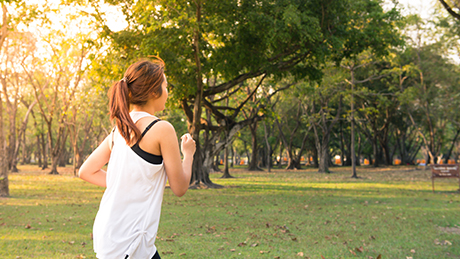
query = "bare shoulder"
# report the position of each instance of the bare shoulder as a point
(160, 130)
(161, 133)
(165, 125)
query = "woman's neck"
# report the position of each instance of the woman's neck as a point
(143, 109)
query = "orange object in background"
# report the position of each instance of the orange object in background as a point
(242, 162)
(451, 162)
(338, 161)
(397, 161)
(366, 161)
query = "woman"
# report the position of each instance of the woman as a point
(142, 152)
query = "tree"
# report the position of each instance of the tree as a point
(54, 87)
(289, 117)
(326, 112)
(429, 87)
(376, 34)
(4, 187)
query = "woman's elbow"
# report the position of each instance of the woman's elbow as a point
(82, 175)
(179, 191)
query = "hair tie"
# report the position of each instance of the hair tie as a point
(124, 79)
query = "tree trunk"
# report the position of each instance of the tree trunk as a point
(226, 172)
(269, 148)
(254, 156)
(323, 166)
(12, 140)
(4, 185)
(375, 151)
(446, 160)
(201, 163)
(44, 152)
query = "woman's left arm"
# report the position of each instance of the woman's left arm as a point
(91, 170)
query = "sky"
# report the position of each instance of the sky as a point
(422, 7)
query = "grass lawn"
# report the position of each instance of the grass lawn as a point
(389, 212)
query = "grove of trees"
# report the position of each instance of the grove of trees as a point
(284, 83)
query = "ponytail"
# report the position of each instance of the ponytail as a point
(142, 81)
(119, 110)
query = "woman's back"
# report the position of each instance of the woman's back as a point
(128, 217)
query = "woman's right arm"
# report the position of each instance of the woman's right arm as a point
(178, 172)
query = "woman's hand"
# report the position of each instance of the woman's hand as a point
(188, 145)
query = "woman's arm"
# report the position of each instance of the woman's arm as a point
(91, 170)
(179, 172)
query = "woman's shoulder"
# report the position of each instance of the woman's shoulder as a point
(160, 127)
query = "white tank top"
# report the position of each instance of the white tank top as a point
(129, 213)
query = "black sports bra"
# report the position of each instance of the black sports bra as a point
(151, 158)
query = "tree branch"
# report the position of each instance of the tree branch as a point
(449, 10)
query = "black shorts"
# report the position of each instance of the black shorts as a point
(155, 256)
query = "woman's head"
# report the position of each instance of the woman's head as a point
(142, 82)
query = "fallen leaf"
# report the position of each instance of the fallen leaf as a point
(71, 242)
(379, 257)
(442, 243)
(412, 251)
(254, 245)
(408, 257)
(242, 244)
(352, 252)
(28, 226)
(322, 257)
(300, 254)
(232, 250)
(359, 249)
(183, 254)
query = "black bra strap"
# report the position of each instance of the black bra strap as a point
(148, 127)
(113, 133)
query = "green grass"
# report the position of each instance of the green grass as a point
(390, 212)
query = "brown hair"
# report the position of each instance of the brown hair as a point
(142, 79)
